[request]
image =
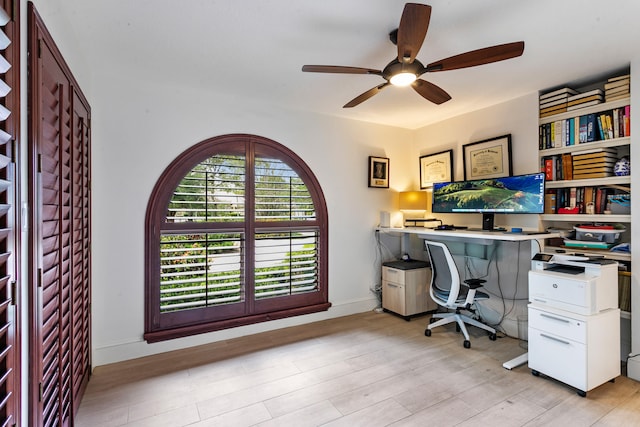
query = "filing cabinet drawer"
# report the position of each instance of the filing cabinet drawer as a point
(563, 326)
(558, 357)
(394, 275)
(394, 298)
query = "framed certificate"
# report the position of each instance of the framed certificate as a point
(436, 167)
(490, 158)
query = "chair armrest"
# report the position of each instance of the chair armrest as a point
(474, 283)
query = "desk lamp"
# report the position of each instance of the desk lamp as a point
(413, 205)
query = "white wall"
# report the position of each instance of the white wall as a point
(517, 117)
(139, 127)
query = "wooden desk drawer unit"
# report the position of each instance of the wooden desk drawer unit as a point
(405, 287)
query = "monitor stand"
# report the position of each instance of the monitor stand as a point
(487, 222)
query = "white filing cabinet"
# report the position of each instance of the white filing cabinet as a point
(582, 351)
(574, 323)
(405, 287)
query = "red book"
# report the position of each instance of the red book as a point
(549, 169)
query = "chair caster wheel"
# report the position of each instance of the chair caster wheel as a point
(427, 332)
(432, 319)
(535, 373)
(582, 393)
(492, 337)
(457, 328)
(467, 344)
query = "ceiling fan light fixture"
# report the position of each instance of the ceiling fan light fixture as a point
(403, 79)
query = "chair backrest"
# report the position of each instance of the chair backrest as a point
(444, 274)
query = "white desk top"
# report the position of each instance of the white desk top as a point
(426, 233)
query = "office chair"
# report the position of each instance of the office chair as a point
(447, 291)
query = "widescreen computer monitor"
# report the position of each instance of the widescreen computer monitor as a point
(521, 194)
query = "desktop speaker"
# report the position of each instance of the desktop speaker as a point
(385, 219)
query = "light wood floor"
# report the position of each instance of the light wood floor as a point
(370, 369)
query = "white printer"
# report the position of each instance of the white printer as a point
(576, 284)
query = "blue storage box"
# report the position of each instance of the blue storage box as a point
(619, 204)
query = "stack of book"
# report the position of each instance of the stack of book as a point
(617, 88)
(596, 163)
(555, 102)
(585, 99)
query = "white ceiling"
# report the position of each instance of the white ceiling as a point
(254, 49)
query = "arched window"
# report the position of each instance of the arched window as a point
(236, 233)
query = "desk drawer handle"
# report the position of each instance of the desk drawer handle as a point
(555, 339)
(554, 318)
(391, 285)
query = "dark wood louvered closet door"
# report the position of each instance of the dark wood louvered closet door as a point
(9, 124)
(59, 126)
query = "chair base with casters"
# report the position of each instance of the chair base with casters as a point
(460, 320)
(449, 292)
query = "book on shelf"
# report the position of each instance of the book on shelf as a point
(586, 150)
(617, 97)
(552, 111)
(552, 102)
(567, 166)
(584, 128)
(588, 94)
(618, 90)
(590, 175)
(584, 105)
(617, 81)
(617, 78)
(550, 202)
(624, 290)
(565, 91)
(579, 169)
(595, 161)
(585, 199)
(584, 100)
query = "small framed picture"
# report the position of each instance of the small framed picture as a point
(490, 158)
(378, 172)
(436, 167)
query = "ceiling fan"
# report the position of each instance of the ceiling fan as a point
(406, 69)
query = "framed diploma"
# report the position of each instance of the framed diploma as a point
(436, 167)
(490, 158)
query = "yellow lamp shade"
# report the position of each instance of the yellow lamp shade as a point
(412, 201)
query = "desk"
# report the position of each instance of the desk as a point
(470, 236)
(464, 235)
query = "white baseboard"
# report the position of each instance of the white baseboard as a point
(119, 352)
(633, 368)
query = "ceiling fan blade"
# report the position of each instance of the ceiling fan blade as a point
(339, 69)
(430, 91)
(366, 95)
(412, 30)
(486, 55)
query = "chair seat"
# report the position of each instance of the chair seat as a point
(444, 295)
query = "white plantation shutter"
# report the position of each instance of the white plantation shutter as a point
(9, 108)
